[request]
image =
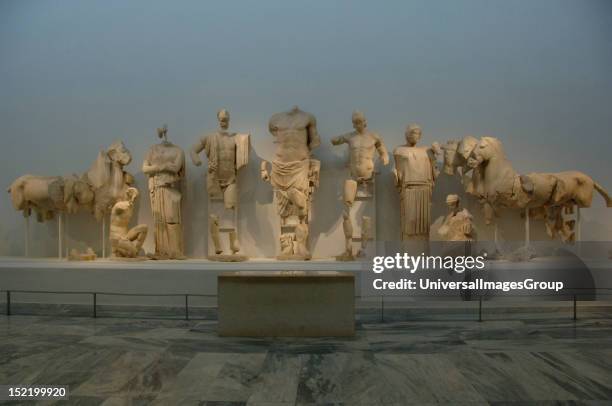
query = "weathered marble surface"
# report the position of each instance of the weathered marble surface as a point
(444, 360)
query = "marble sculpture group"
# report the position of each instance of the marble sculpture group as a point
(106, 189)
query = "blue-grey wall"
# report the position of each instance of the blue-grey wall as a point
(76, 75)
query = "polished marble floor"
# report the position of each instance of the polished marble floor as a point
(548, 359)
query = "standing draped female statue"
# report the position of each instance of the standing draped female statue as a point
(164, 164)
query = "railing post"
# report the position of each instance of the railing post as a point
(575, 315)
(8, 302)
(480, 308)
(186, 307)
(95, 300)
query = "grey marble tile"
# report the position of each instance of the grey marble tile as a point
(110, 379)
(185, 362)
(425, 378)
(538, 342)
(127, 343)
(580, 373)
(238, 378)
(80, 401)
(255, 403)
(135, 327)
(194, 380)
(515, 376)
(278, 380)
(215, 344)
(351, 378)
(128, 400)
(160, 373)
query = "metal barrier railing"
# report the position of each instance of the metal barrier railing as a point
(94, 295)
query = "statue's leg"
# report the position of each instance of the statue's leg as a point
(489, 213)
(347, 227)
(214, 233)
(233, 242)
(138, 235)
(366, 231)
(230, 196)
(300, 200)
(350, 191)
(122, 247)
(286, 243)
(212, 186)
(301, 240)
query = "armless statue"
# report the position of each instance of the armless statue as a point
(164, 164)
(294, 177)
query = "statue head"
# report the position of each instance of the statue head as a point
(452, 202)
(413, 134)
(223, 117)
(131, 194)
(359, 121)
(162, 132)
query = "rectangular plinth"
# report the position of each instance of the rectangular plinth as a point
(286, 304)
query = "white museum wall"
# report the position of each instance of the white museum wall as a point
(75, 77)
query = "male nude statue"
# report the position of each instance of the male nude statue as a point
(363, 144)
(126, 242)
(294, 174)
(227, 152)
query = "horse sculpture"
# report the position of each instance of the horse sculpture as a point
(98, 189)
(547, 195)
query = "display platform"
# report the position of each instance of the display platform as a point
(286, 304)
(164, 283)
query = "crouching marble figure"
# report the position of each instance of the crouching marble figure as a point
(164, 164)
(294, 177)
(126, 242)
(363, 144)
(415, 174)
(457, 225)
(227, 153)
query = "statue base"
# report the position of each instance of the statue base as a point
(293, 257)
(286, 304)
(128, 259)
(160, 257)
(345, 257)
(227, 258)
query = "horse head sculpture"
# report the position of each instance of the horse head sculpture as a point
(457, 153)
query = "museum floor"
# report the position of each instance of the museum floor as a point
(543, 358)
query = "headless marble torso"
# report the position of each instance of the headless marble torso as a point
(164, 164)
(295, 134)
(362, 148)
